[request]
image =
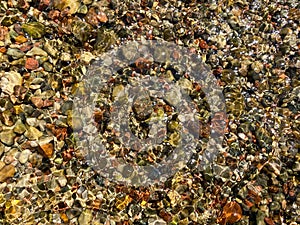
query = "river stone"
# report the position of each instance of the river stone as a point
(34, 29)
(15, 53)
(19, 127)
(33, 133)
(9, 80)
(6, 172)
(23, 158)
(7, 137)
(36, 51)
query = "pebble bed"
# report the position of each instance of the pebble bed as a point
(252, 49)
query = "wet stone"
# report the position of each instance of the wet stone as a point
(65, 56)
(33, 133)
(7, 118)
(48, 66)
(9, 80)
(7, 137)
(31, 64)
(19, 127)
(142, 107)
(72, 6)
(20, 39)
(15, 53)
(274, 206)
(34, 29)
(23, 158)
(36, 51)
(46, 146)
(6, 172)
(37, 101)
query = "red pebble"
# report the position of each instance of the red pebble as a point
(31, 64)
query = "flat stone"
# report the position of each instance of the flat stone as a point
(23, 158)
(33, 133)
(37, 101)
(37, 51)
(46, 147)
(19, 127)
(9, 80)
(15, 53)
(7, 137)
(31, 64)
(6, 172)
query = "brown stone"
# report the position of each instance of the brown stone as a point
(64, 217)
(21, 39)
(25, 47)
(232, 212)
(6, 172)
(31, 64)
(102, 17)
(2, 49)
(48, 103)
(91, 17)
(3, 32)
(37, 101)
(47, 149)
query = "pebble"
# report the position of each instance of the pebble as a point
(23, 158)
(19, 127)
(1, 149)
(7, 137)
(36, 51)
(15, 53)
(34, 29)
(37, 101)
(48, 47)
(252, 50)
(31, 64)
(71, 5)
(46, 146)
(33, 133)
(118, 91)
(3, 32)
(9, 80)
(86, 57)
(62, 180)
(20, 39)
(6, 172)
